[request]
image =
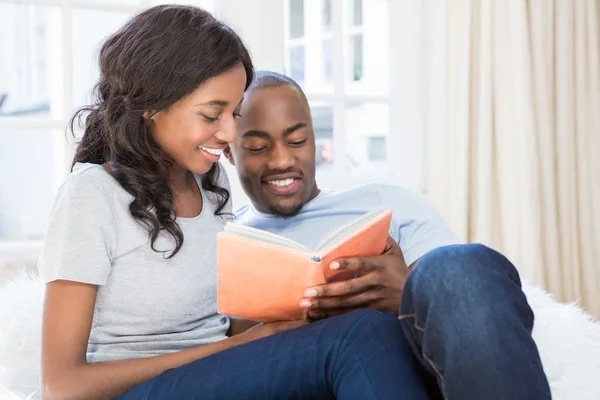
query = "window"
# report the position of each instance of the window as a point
(25, 75)
(295, 65)
(356, 57)
(327, 15)
(338, 50)
(354, 34)
(322, 114)
(356, 12)
(328, 61)
(327, 43)
(377, 150)
(48, 65)
(350, 115)
(296, 19)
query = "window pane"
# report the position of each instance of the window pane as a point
(296, 19)
(90, 29)
(322, 114)
(366, 130)
(356, 46)
(357, 13)
(26, 193)
(30, 50)
(297, 66)
(327, 15)
(328, 61)
(366, 51)
(377, 149)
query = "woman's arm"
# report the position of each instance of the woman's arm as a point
(239, 325)
(67, 320)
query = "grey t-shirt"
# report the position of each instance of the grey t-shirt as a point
(146, 304)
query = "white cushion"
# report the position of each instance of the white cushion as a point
(567, 338)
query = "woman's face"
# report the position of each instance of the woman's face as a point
(195, 130)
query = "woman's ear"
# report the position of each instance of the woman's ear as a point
(147, 115)
(227, 152)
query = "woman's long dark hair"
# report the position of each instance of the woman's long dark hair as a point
(160, 56)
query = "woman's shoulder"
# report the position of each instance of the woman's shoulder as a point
(88, 180)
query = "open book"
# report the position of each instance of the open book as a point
(262, 276)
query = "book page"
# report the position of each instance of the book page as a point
(335, 237)
(264, 236)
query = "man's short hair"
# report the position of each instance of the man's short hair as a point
(270, 79)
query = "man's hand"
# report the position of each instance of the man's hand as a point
(378, 285)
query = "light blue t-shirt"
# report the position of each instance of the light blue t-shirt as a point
(416, 225)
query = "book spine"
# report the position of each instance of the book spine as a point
(315, 272)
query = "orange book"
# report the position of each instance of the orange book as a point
(262, 276)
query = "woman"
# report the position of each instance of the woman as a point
(129, 257)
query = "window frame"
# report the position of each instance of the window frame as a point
(62, 151)
(405, 21)
(339, 98)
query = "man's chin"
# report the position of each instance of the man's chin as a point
(285, 209)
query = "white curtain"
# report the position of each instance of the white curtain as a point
(513, 134)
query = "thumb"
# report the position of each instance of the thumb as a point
(391, 247)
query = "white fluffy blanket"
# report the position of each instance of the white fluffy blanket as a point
(568, 341)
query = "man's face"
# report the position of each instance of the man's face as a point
(274, 151)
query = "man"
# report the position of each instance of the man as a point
(462, 308)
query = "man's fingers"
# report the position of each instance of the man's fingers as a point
(357, 300)
(343, 288)
(358, 264)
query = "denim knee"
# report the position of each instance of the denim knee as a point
(371, 324)
(465, 267)
(468, 281)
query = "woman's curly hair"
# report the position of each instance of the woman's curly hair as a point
(160, 56)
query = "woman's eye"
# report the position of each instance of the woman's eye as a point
(237, 115)
(210, 119)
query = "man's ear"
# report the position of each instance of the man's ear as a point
(227, 152)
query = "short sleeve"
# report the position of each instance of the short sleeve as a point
(81, 233)
(418, 227)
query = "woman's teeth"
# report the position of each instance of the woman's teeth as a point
(282, 182)
(215, 152)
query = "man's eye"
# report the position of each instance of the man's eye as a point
(298, 143)
(255, 149)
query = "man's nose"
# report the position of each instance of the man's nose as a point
(281, 158)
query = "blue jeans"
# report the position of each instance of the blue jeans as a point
(360, 355)
(463, 315)
(469, 324)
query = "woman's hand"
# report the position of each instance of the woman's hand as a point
(271, 328)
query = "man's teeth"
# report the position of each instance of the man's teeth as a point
(215, 152)
(282, 182)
